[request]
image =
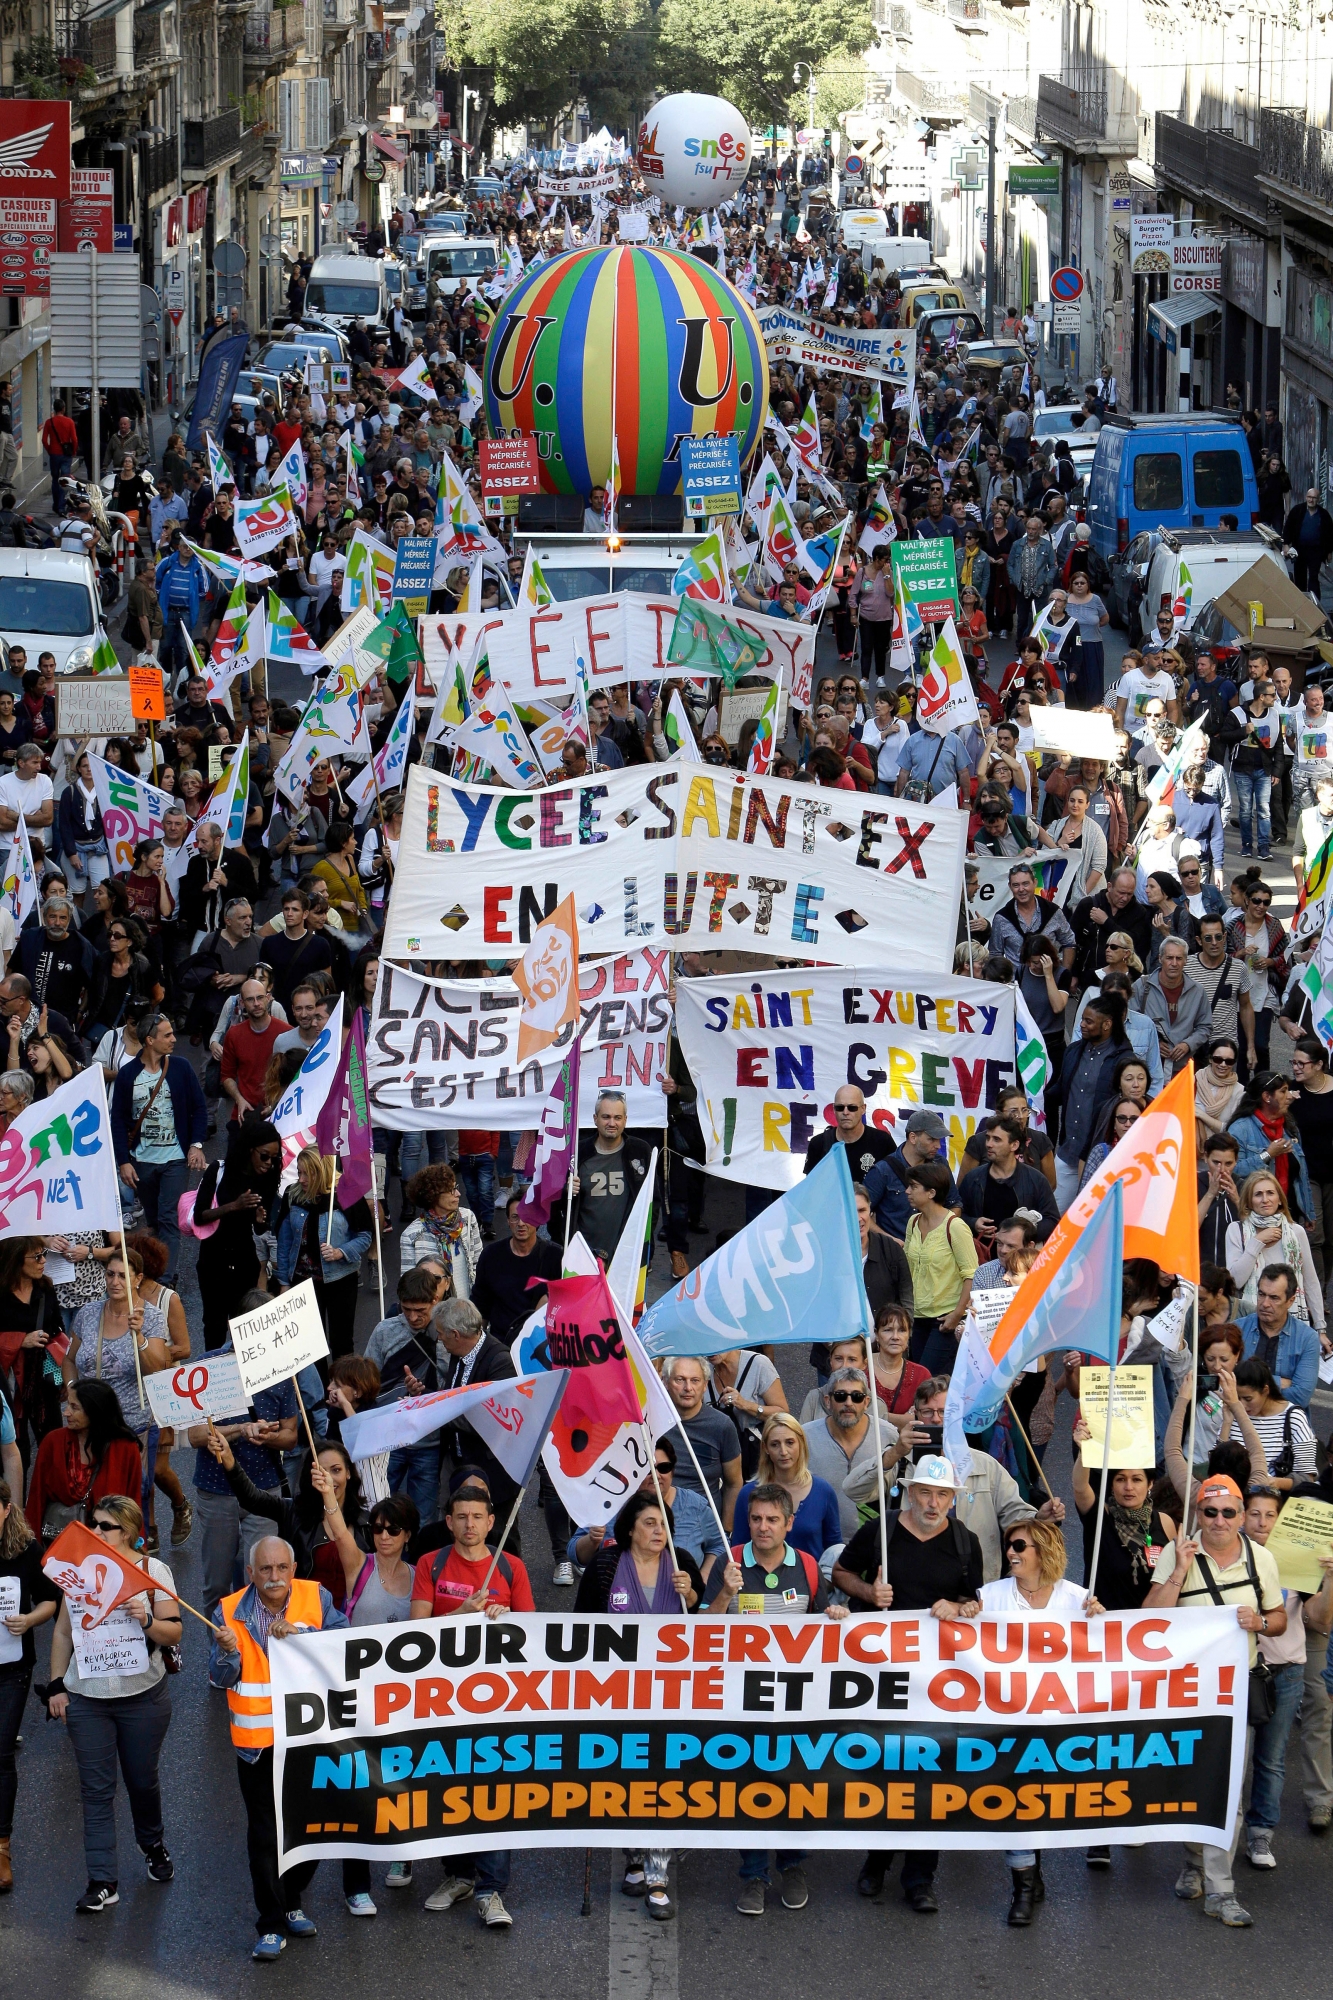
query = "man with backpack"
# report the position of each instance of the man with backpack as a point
(768, 1578)
(60, 442)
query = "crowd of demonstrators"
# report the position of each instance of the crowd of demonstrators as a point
(199, 975)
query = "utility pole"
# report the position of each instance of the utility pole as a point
(990, 227)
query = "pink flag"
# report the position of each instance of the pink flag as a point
(343, 1127)
(557, 1142)
(583, 1335)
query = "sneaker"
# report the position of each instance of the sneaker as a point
(563, 1574)
(1189, 1883)
(1259, 1847)
(795, 1893)
(300, 1925)
(360, 1905)
(453, 1889)
(182, 1524)
(161, 1867)
(750, 1902)
(492, 1911)
(1098, 1857)
(399, 1876)
(1229, 1911)
(97, 1896)
(269, 1947)
(1319, 1818)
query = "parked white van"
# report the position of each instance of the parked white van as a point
(343, 289)
(49, 604)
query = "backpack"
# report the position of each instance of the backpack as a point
(809, 1567)
(962, 1537)
(504, 1566)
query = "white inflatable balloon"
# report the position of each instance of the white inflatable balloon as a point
(694, 150)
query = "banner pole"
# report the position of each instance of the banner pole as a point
(1031, 1453)
(1194, 1412)
(129, 1300)
(379, 1248)
(300, 1404)
(871, 1350)
(499, 1546)
(1106, 1467)
(705, 1488)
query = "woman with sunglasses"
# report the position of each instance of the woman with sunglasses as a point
(1034, 1581)
(1265, 1234)
(119, 1715)
(1258, 941)
(1217, 1090)
(238, 1195)
(124, 982)
(1121, 1117)
(1221, 1566)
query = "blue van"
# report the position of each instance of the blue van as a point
(1168, 471)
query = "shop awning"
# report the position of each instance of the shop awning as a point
(389, 150)
(1166, 317)
(103, 10)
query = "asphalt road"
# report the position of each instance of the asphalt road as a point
(1097, 1934)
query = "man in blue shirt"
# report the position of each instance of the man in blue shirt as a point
(1274, 1335)
(933, 761)
(886, 1183)
(181, 589)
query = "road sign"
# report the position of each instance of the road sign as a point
(228, 257)
(1066, 284)
(1066, 315)
(345, 213)
(852, 164)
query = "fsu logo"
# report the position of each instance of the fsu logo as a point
(522, 332)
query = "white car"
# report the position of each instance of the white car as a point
(49, 604)
(1215, 558)
(1050, 426)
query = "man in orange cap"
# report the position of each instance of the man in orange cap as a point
(1223, 1566)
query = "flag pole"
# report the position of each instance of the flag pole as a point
(485, 1583)
(872, 1348)
(129, 1305)
(1031, 1452)
(704, 1487)
(1194, 1411)
(1106, 1467)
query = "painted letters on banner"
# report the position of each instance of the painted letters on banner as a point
(644, 1732)
(886, 354)
(711, 861)
(443, 1055)
(769, 1053)
(618, 637)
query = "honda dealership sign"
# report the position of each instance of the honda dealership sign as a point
(34, 179)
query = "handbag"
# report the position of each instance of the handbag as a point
(135, 1127)
(1284, 1464)
(57, 1516)
(1262, 1703)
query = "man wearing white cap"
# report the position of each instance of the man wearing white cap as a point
(934, 1564)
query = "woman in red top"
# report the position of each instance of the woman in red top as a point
(94, 1455)
(30, 1318)
(896, 1378)
(149, 892)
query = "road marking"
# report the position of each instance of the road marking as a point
(643, 1962)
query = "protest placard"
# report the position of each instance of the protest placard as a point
(1076, 730)
(1302, 1534)
(100, 705)
(443, 1054)
(712, 860)
(1133, 1440)
(208, 1387)
(769, 1052)
(279, 1339)
(661, 1732)
(114, 1646)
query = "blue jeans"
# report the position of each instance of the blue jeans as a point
(171, 647)
(489, 1871)
(477, 1173)
(414, 1469)
(1252, 795)
(754, 1862)
(419, 1149)
(160, 1189)
(59, 468)
(1270, 1748)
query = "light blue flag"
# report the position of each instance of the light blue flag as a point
(1079, 1308)
(790, 1275)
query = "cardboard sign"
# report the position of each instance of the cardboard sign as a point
(209, 1387)
(510, 465)
(147, 696)
(115, 1646)
(279, 1339)
(413, 570)
(1303, 1533)
(1133, 1439)
(710, 470)
(94, 705)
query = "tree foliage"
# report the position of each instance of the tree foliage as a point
(747, 49)
(840, 85)
(545, 55)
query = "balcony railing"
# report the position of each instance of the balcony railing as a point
(151, 44)
(1067, 113)
(1297, 154)
(209, 141)
(254, 157)
(1213, 165)
(928, 95)
(280, 32)
(92, 43)
(161, 165)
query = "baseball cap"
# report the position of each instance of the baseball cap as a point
(933, 1470)
(1218, 1486)
(929, 1124)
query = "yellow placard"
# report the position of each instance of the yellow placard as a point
(1303, 1532)
(1133, 1438)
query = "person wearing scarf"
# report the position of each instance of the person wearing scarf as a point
(1269, 1141)
(443, 1228)
(1134, 1535)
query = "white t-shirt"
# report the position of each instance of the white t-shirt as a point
(1313, 736)
(322, 570)
(1137, 689)
(1001, 1599)
(25, 795)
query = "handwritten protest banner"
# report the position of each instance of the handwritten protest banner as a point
(279, 1339)
(646, 1732)
(443, 1054)
(769, 1051)
(1303, 1533)
(707, 859)
(1132, 1438)
(208, 1387)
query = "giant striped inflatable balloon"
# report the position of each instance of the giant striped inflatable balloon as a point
(687, 360)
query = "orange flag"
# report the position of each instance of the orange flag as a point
(548, 979)
(1155, 1164)
(94, 1578)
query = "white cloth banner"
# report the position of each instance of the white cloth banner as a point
(885, 354)
(443, 1055)
(622, 636)
(710, 860)
(57, 1165)
(769, 1051)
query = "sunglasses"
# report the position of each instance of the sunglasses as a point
(113, 935)
(106, 1527)
(1220, 1513)
(37, 1253)
(664, 1471)
(847, 1396)
(1227, 1062)
(1017, 1546)
(1260, 902)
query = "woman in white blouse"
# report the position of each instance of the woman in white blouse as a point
(1267, 1235)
